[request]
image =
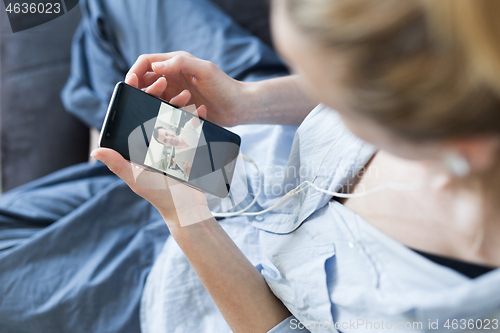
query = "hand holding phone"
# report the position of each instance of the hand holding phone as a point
(160, 137)
(205, 83)
(167, 199)
(192, 152)
(179, 205)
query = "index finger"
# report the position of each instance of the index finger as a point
(143, 63)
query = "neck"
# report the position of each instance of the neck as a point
(471, 204)
(461, 217)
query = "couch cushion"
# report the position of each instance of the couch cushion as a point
(37, 135)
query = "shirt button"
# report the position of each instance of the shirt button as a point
(351, 245)
(259, 218)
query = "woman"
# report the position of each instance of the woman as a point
(419, 81)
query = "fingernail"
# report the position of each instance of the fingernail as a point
(95, 154)
(129, 76)
(158, 65)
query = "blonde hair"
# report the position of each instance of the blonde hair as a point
(423, 69)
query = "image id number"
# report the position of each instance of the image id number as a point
(33, 8)
(479, 324)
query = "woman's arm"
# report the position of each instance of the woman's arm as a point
(237, 288)
(274, 101)
(229, 102)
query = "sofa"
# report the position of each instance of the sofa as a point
(37, 136)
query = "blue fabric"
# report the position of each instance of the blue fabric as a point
(76, 246)
(114, 33)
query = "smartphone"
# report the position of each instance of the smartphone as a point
(162, 138)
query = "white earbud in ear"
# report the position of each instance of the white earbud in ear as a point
(456, 164)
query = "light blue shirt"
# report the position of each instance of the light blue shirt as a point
(332, 269)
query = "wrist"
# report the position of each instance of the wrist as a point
(273, 101)
(186, 216)
(193, 235)
(246, 107)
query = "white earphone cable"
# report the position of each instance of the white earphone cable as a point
(403, 187)
(240, 212)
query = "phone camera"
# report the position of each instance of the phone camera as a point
(108, 135)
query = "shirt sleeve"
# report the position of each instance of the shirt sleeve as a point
(289, 325)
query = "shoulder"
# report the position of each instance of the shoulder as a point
(323, 153)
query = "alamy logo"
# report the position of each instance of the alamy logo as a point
(26, 14)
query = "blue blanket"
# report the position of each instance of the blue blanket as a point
(76, 246)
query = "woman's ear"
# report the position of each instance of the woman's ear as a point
(478, 154)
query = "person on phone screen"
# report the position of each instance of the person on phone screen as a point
(185, 143)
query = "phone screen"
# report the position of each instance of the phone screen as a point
(161, 137)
